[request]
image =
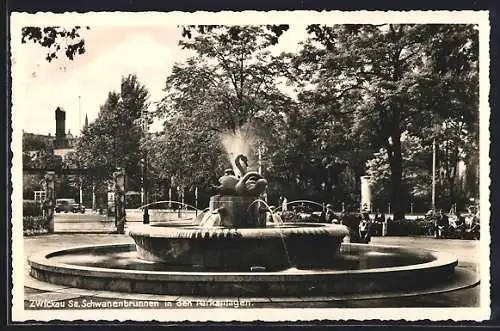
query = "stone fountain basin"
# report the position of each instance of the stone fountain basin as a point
(116, 268)
(240, 249)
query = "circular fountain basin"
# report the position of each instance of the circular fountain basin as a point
(361, 271)
(238, 249)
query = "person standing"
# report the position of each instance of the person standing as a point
(365, 227)
(284, 204)
(442, 223)
(330, 215)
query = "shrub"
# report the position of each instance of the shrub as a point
(34, 225)
(32, 208)
(405, 227)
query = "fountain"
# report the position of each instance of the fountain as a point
(233, 235)
(230, 250)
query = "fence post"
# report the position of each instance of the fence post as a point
(119, 179)
(145, 216)
(384, 228)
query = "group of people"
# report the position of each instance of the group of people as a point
(441, 224)
(455, 225)
(360, 227)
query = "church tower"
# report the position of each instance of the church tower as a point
(86, 122)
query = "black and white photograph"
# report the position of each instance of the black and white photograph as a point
(250, 166)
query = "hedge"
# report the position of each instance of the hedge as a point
(35, 225)
(32, 208)
(417, 227)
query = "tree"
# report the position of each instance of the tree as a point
(391, 79)
(233, 75)
(113, 139)
(185, 155)
(228, 88)
(38, 152)
(455, 145)
(416, 172)
(55, 39)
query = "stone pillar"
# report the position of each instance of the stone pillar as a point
(50, 198)
(119, 180)
(366, 193)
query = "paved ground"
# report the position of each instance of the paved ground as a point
(466, 251)
(88, 222)
(91, 222)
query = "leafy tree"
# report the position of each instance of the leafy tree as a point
(185, 155)
(454, 145)
(113, 139)
(228, 87)
(38, 152)
(232, 75)
(416, 172)
(56, 39)
(275, 31)
(391, 79)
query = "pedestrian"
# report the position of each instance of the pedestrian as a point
(330, 216)
(284, 204)
(365, 227)
(442, 223)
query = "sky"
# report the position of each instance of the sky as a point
(119, 44)
(81, 86)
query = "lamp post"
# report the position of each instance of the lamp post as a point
(93, 195)
(433, 197)
(260, 150)
(196, 200)
(80, 127)
(144, 168)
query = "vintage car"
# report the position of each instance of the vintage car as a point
(68, 205)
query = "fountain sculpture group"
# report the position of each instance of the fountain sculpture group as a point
(230, 250)
(233, 234)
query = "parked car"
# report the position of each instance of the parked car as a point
(68, 205)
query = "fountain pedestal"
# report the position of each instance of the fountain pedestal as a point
(237, 211)
(237, 249)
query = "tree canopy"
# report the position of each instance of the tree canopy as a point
(56, 39)
(389, 79)
(113, 139)
(368, 99)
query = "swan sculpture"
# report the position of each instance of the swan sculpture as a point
(247, 184)
(241, 163)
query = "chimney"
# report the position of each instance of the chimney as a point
(60, 126)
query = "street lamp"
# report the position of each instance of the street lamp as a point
(80, 128)
(144, 169)
(433, 197)
(144, 162)
(260, 150)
